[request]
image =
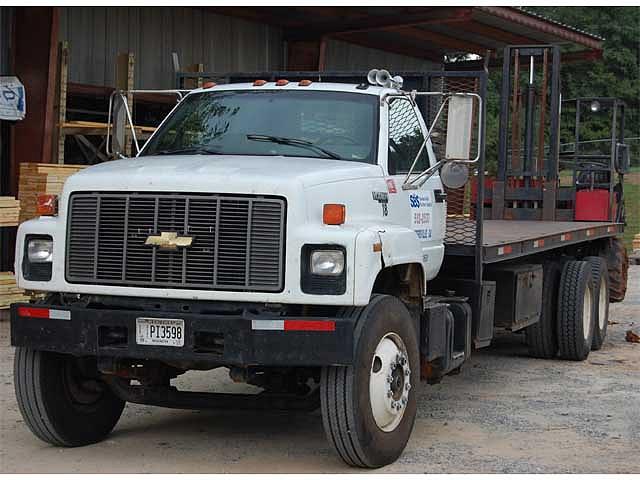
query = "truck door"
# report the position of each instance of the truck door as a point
(424, 208)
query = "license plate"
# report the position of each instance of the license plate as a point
(163, 332)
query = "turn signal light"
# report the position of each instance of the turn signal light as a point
(47, 205)
(333, 213)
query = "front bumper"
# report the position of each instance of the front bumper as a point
(238, 339)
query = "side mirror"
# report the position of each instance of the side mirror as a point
(459, 128)
(454, 175)
(623, 158)
(119, 124)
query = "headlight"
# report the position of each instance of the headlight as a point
(37, 258)
(327, 262)
(40, 250)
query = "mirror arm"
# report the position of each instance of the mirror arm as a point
(433, 125)
(129, 121)
(424, 176)
(180, 94)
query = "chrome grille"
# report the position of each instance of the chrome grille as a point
(238, 241)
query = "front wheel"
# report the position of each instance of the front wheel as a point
(61, 400)
(369, 408)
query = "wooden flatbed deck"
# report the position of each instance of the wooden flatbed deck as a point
(506, 239)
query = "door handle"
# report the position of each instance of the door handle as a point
(439, 195)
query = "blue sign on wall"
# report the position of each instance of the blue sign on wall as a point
(13, 104)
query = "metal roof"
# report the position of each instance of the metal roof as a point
(564, 25)
(423, 32)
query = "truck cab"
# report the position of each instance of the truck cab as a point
(293, 170)
(283, 230)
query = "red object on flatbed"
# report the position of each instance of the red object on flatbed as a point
(592, 205)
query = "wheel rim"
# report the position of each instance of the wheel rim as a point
(389, 382)
(586, 314)
(602, 304)
(81, 390)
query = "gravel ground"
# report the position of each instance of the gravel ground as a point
(504, 413)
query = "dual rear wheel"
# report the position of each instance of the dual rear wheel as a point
(575, 310)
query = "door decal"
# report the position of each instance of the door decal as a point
(421, 214)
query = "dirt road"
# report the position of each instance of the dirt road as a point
(504, 413)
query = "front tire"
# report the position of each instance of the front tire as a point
(369, 408)
(61, 403)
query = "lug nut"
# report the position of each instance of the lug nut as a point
(389, 394)
(407, 387)
(389, 379)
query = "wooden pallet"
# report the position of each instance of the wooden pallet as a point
(9, 291)
(41, 179)
(9, 211)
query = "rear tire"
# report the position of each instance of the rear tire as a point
(542, 337)
(618, 266)
(600, 277)
(59, 404)
(358, 402)
(575, 311)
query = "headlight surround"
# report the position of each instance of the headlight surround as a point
(327, 262)
(37, 260)
(40, 250)
(323, 269)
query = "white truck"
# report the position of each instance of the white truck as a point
(289, 231)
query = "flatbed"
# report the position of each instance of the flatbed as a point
(507, 239)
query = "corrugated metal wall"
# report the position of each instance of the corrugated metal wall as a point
(223, 44)
(97, 34)
(346, 56)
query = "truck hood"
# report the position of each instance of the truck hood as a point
(218, 173)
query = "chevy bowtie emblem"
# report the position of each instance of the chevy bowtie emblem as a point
(168, 241)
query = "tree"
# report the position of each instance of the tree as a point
(618, 73)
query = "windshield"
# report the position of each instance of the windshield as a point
(319, 124)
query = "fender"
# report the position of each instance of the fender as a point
(400, 246)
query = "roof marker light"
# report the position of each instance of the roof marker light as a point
(304, 83)
(259, 83)
(282, 82)
(209, 84)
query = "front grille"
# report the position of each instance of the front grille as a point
(238, 241)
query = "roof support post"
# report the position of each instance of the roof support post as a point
(35, 62)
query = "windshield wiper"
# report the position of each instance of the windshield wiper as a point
(190, 151)
(296, 142)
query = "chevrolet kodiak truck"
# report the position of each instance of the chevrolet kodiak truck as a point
(297, 234)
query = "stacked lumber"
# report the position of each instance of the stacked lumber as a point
(9, 211)
(39, 179)
(9, 291)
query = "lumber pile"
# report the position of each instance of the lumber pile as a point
(9, 211)
(9, 291)
(39, 179)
